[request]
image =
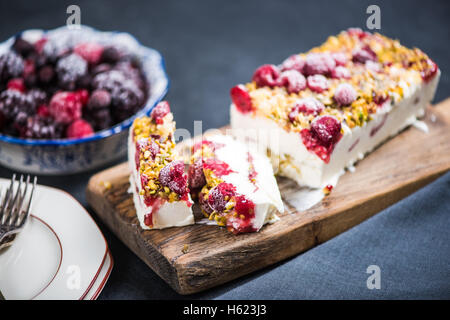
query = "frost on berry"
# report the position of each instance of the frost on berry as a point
(266, 75)
(294, 62)
(306, 106)
(319, 63)
(220, 195)
(173, 177)
(317, 83)
(160, 111)
(345, 94)
(327, 129)
(293, 80)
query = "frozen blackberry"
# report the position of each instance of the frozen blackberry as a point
(12, 102)
(130, 72)
(69, 70)
(23, 47)
(38, 127)
(37, 97)
(11, 65)
(54, 49)
(109, 80)
(126, 100)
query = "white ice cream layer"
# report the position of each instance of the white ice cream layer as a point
(291, 159)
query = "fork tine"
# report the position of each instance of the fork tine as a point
(18, 207)
(27, 212)
(12, 208)
(7, 200)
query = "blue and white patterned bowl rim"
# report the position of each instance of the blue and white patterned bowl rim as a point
(152, 63)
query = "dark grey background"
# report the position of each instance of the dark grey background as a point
(211, 45)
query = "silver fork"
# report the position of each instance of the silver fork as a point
(15, 206)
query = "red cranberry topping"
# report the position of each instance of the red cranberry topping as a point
(307, 106)
(293, 80)
(245, 210)
(266, 75)
(345, 94)
(160, 111)
(358, 33)
(339, 58)
(341, 73)
(319, 63)
(294, 62)
(65, 107)
(196, 177)
(364, 54)
(89, 51)
(16, 84)
(173, 177)
(327, 130)
(220, 195)
(79, 129)
(241, 98)
(219, 167)
(317, 83)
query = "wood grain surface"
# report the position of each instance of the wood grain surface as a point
(194, 258)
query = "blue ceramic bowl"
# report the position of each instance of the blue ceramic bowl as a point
(67, 156)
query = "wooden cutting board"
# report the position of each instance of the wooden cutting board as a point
(198, 257)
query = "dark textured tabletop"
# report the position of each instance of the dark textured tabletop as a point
(211, 45)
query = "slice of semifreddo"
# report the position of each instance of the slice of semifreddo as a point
(158, 182)
(330, 106)
(235, 187)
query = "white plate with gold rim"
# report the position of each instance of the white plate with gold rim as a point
(60, 254)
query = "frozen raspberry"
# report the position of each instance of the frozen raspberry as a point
(340, 58)
(241, 98)
(65, 107)
(266, 75)
(16, 84)
(196, 177)
(293, 80)
(160, 111)
(364, 54)
(345, 94)
(245, 208)
(294, 62)
(341, 73)
(39, 127)
(89, 51)
(11, 65)
(173, 177)
(307, 106)
(327, 130)
(22, 47)
(79, 129)
(319, 63)
(317, 83)
(83, 95)
(70, 69)
(111, 55)
(220, 195)
(99, 99)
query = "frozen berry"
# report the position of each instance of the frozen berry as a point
(11, 65)
(294, 62)
(22, 47)
(327, 129)
(53, 49)
(220, 195)
(319, 63)
(341, 73)
(16, 84)
(111, 54)
(126, 100)
(39, 45)
(29, 72)
(99, 99)
(293, 80)
(154, 149)
(160, 111)
(173, 177)
(345, 94)
(364, 54)
(42, 128)
(89, 51)
(69, 70)
(42, 111)
(109, 80)
(65, 107)
(306, 106)
(37, 96)
(196, 176)
(339, 58)
(266, 75)
(317, 83)
(79, 129)
(83, 95)
(12, 102)
(241, 98)
(99, 118)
